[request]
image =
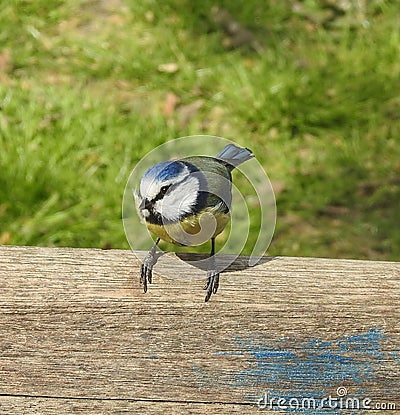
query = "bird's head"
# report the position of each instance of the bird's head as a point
(168, 191)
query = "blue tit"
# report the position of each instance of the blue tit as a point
(187, 202)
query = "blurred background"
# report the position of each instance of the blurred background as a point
(87, 88)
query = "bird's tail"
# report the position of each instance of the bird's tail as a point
(234, 155)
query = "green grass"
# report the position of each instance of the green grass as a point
(82, 98)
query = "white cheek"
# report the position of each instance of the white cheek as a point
(180, 201)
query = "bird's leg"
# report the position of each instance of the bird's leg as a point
(146, 270)
(212, 274)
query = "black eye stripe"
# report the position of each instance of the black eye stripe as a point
(164, 189)
(162, 193)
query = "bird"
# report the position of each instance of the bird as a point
(187, 202)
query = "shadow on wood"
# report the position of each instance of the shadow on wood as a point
(229, 263)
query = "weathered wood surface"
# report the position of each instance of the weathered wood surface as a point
(77, 335)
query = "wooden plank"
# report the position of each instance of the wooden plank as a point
(62, 406)
(75, 325)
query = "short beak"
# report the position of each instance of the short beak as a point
(144, 204)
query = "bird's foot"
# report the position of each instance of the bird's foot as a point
(212, 284)
(146, 269)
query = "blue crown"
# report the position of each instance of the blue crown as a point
(164, 170)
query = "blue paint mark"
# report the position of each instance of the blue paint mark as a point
(357, 343)
(202, 377)
(153, 356)
(327, 363)
(394, 356)
(311, 368)
(311, 362)
(274, 353)
(340, 359)
(230, 353)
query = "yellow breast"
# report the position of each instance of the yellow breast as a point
(192, 230)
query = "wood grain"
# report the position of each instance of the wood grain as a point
(77, 332)
(56, 406)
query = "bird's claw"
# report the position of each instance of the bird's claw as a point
(212, 283)
(145, 275)
(146, 269)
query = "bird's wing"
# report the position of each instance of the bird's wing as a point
(218, 181)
